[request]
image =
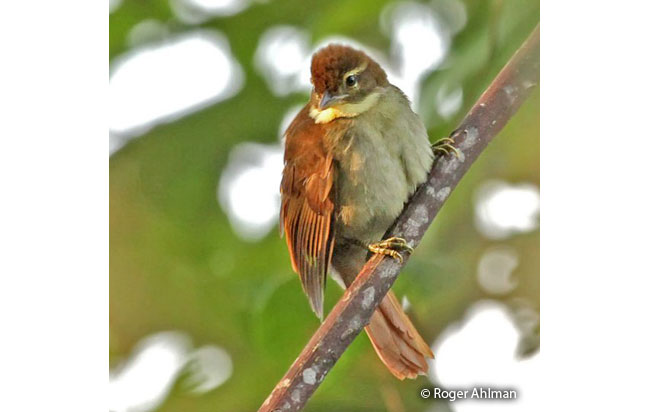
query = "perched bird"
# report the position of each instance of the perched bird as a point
(353, 156)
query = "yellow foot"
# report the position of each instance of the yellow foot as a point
(445, 146)
(391, 247)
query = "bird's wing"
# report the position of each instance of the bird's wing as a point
(307, 208)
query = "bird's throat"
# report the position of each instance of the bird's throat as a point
(344, 110)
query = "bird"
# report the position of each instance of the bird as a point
(354, 154)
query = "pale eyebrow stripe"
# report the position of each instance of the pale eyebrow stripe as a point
(357, 70)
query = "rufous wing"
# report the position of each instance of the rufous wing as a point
(307, 205)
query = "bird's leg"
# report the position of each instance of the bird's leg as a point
(391, 247)
(445, 146)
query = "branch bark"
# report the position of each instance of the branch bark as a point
(486, 118)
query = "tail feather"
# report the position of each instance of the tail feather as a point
(396, 340)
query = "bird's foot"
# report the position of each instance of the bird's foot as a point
(391, 247)
(445, 146)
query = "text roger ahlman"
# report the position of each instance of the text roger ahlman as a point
(472, 393)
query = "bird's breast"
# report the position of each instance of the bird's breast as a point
(382, 156)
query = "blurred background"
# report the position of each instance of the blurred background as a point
(205, 311)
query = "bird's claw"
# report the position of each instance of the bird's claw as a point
(445, 146)
(391, 247)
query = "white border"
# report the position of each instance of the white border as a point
(54, 206)
(595, 205)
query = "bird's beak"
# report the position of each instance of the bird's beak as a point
(328, 100)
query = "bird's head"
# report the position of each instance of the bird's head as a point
(346, 83)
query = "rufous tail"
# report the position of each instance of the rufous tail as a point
(396, 340)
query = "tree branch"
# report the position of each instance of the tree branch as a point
(486, 118)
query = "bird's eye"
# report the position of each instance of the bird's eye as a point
(351, 80)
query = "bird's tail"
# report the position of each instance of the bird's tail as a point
(396, 340)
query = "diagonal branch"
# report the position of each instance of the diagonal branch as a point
(486, 118)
